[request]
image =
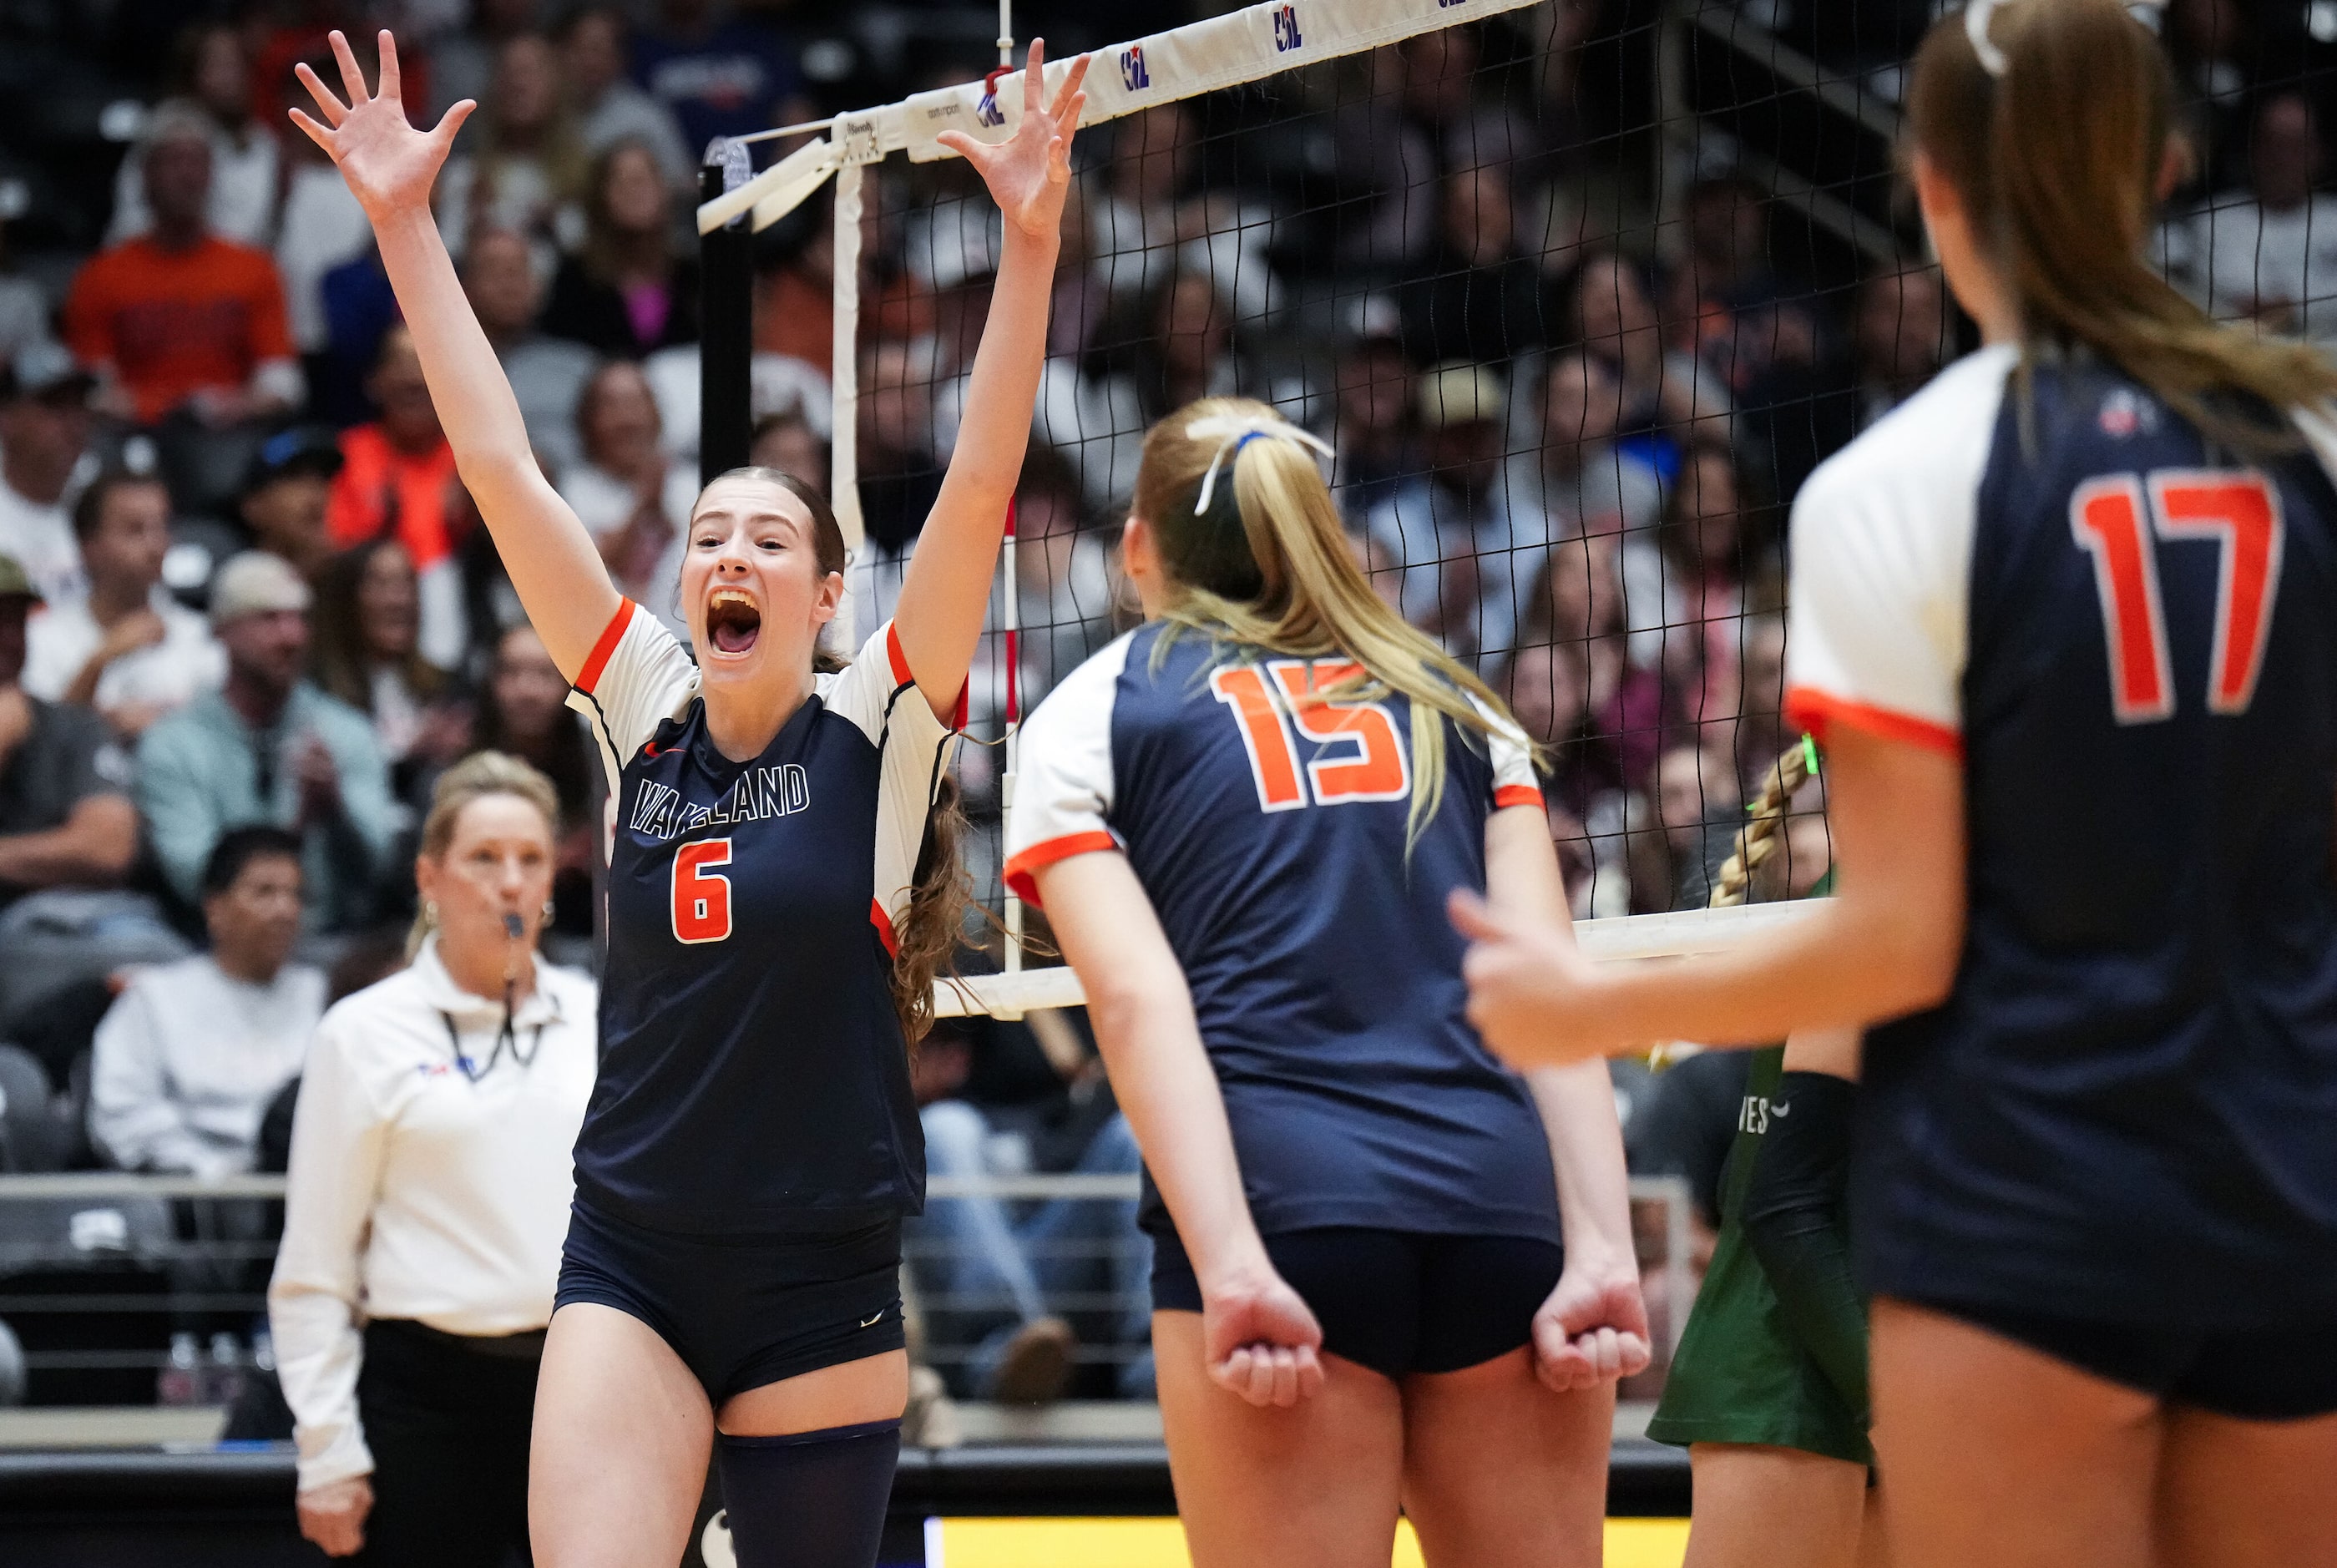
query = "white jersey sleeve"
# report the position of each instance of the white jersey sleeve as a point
(1063, 785)
(877, 693)
(637, 677)
(1879, 627)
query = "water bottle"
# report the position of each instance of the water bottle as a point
(182, 1382)
(224, 1379)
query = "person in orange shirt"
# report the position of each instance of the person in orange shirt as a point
(179, 317)
(396, 479)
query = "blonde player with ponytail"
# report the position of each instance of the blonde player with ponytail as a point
(1387, 1273)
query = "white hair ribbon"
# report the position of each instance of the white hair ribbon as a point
(1980, 12)
(1233, 433)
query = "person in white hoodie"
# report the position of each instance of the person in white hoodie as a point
(428, 1196)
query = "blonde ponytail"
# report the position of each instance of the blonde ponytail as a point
(1266, 568)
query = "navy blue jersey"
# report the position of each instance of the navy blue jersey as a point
(1268, 830)
(753, 1076)
(2127, 1107)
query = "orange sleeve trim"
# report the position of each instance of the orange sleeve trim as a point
(901, 676)
(611, 635)
(1021, 870)
(883, 924)
(1509, 795)
(1819, 712)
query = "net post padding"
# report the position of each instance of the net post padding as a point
(1681, 934)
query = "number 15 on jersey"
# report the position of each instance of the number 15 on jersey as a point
(1359, 755)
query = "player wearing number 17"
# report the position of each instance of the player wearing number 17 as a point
(1386, 1271)
(732, 1263)
(2068, 620)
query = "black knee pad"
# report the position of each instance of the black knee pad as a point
(810, 1499)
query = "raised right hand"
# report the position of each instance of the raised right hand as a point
(333, 1515)
(1260, 1339)
(389, 165)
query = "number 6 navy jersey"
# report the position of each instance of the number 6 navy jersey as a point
(1268, 828)
(2126, 1109)
(753, 1075)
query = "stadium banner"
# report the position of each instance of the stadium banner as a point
(1183, 62)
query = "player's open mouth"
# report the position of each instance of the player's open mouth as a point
(732, 621)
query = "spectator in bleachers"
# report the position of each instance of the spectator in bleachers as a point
(424, 1210)
(1372, 399)
(899, 474)
(180, 318)
(1446, 544)
(1585, 484)
(368, 653)
(2207, 42)
(610, 108)
(1478, 299)
(1899, 337)
(523, 712)
(287, 492)
(1132, 218)
(633, 501)
(66, 816)
(787, 443)
(521, 164)
(460, 61)
(1711, 555)
(719, 74)
(2269, 252)
(211, 76)
(270, 748)
(45, 422)
(191, 1054)
(795, 300)
(1611, 316)
(630, 290)
(397, 480)
(129, 648)
(546, 375)
(1700, 805)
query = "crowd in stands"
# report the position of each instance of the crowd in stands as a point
(249, 614)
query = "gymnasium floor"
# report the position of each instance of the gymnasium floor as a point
(1160, 1543)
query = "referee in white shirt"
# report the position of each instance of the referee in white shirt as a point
(428, 1195)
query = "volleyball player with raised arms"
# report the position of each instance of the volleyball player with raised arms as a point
(2068, 619)
(732, 1265)
(1387, 1271)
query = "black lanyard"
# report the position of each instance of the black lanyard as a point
(505, 1036)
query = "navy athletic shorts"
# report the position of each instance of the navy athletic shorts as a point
(742, 1311)
(1397, 1302)
(2279, 1374)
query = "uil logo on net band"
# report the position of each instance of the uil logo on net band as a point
(1132, 73)
(987, 111)
(1285, 30)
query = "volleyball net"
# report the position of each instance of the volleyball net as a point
(1580, 293)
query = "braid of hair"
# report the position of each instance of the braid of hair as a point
(1759, 837)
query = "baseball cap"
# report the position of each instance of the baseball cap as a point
(14, 583)
(256, 583)
(43, 367)
(302, 449)
(1459, 392)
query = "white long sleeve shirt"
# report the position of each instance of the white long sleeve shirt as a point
(184, 1063)
(416, 1192)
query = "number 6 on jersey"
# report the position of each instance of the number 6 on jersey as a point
(701, 896)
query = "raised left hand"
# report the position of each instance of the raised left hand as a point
(1028, 172)
(1593, 1329)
